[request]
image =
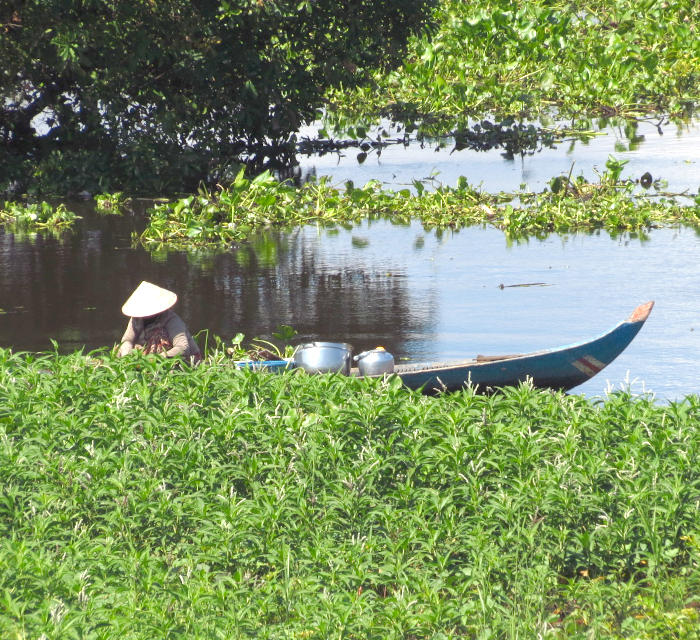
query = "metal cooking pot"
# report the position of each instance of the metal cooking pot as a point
(324, 357)
(375, 362)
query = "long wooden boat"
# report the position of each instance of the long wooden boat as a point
(559, 368)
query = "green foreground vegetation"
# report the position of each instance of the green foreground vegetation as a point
(143, 499)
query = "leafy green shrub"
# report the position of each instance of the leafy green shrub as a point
(529, 58)
(146, 499)
(111, 203)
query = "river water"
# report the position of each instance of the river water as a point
(424, 295)
(670, 152)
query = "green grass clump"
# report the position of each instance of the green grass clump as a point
(143, 499)
(234, 213)
(528, 58)
(36, 215)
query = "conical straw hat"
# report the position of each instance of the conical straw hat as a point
(148, 300)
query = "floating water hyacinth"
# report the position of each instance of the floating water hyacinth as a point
(112, 203)
(37, 215)
(235, 213)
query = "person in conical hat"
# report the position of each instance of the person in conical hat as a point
(154, 327)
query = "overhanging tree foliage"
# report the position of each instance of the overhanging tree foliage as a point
(158, 95)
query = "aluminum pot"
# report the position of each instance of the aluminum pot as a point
(324, 357)
(375, 362)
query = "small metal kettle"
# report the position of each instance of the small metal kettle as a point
(375, 362)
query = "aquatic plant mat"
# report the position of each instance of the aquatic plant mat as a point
(142, 499)
(36, 215)
(233, 214)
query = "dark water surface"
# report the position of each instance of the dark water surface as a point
(423, 295)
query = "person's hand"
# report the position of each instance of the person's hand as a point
(124, 349)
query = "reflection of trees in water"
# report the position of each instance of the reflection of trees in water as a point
(71, 290)
(339, 301)
(37, 273)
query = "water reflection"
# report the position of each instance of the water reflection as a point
(425, 296)
(669, 152)
(71, 289)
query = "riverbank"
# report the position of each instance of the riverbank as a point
(290, 505)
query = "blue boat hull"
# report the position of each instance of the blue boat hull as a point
(560, 368)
